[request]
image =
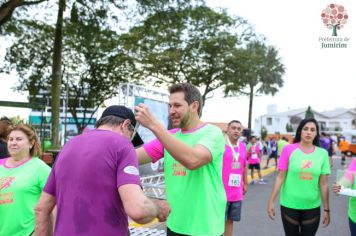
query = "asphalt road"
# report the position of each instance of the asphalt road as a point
(255, 221)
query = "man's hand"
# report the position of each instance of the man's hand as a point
(145, 117)
(163, 209)
(245, 188)
(336, 187)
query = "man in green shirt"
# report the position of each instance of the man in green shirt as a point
(281, 143)
(192, 155)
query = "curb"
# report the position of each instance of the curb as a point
(264, 172)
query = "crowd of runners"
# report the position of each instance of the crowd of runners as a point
(94, 185)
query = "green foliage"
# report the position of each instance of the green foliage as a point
(99, 58)
(338, 128)
(17, 120)
(289, 127)
(184, 45)
(309, 113)
(254, 70)
(92, 64)
(264, 133)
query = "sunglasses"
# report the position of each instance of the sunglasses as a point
(134, 129)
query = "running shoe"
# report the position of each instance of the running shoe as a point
(262, 181)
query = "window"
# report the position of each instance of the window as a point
(269, 120)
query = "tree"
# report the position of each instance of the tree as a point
(289, 127)
(264, 133)
(93, 64)
(254, 70)
(57, 74)
(100, 12)
(185, 45)
(309, 113)
(334, 17)
(17, 120)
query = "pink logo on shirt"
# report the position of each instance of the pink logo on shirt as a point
(306, 164)
(6, 182)
(179, 169)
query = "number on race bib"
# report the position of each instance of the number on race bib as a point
(234, 180)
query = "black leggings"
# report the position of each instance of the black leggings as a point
(171, 233)
(352, 226)
(300, 222)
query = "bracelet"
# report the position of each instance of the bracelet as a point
(327, 210)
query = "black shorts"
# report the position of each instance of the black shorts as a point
(254, 166)
(273, 155)
(233, 211)
(330, 152)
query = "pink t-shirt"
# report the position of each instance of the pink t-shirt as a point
(233, 177)
(155, 148)
(254, 154)
(283, 161)
(350, 173)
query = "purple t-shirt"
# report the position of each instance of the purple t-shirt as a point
(325, 143)
(85, 180)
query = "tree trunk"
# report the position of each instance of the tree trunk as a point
(57, 75)
(9, 7)
(250, 107)
(334, 30)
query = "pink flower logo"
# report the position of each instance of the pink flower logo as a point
(334, 17)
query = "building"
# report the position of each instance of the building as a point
(337, 120)
(40, 117)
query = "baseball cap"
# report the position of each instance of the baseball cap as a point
(125, 113)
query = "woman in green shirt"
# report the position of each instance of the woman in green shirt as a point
(22, 178)
(303, 181)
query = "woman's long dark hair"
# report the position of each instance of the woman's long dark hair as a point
(301, 126)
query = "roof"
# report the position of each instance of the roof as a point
(295, 112)
(338, 112)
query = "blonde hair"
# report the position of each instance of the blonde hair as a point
(32, 137)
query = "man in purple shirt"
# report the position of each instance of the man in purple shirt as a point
(95, 182)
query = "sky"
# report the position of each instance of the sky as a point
(323, 78)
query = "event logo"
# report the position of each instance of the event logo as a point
(6, 182)
(334, 17)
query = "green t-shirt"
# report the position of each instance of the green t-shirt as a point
(197, 197)
(352, 204)
(350, 175)
(20, 189)
(281, 143)
(300, 189)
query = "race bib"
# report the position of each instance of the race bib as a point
(274, 149)
(254, 156)
(234, 180)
